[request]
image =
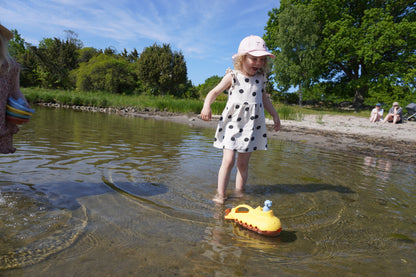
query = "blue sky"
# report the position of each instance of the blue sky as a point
(207, 32)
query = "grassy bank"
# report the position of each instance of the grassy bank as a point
(107, 100)
(155, 103)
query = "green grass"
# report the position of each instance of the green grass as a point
(105, 100)
(289, 113)
(161, 103)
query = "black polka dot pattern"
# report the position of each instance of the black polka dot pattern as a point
(242, 125)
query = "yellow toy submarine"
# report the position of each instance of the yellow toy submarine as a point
(260, 220)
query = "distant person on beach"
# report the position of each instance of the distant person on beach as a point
(9, 86)
(241, 128)
(395, 114)
(377, 114)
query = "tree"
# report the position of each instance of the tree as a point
(72, 38)
(55, 59)
(294, 35)
(132, 56)
(17, 45)
(366, 45)
(161, 70)
(87, 53)
(110, 51)
(208, 85)
(21, 52)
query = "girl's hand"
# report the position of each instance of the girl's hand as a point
(225, 83)
(206, 113)
(276, 126)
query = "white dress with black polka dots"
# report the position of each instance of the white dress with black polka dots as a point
(242, 126)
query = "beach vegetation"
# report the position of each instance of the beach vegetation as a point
(167, 103)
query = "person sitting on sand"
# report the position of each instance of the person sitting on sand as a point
(377, 113)
(395, 114)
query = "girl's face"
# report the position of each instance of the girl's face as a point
(252, 64)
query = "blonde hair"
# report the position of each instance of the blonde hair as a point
(4, 53)
(239, 59)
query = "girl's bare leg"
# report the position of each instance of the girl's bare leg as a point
(242, 172)
(228, 160)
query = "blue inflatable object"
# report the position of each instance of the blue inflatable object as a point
(19, 104)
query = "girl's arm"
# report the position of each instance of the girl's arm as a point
(272, 111)
(225, 83)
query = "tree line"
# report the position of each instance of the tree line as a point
(362, 51)
(58, 63)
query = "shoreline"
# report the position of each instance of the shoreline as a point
(347, 134)
(344, 133)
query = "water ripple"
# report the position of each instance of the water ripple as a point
(33, 229)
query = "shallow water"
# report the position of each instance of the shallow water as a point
(91, 194)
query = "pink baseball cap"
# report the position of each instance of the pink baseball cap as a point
(253, 45)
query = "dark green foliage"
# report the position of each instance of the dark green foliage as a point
(161, 70)
(55, 59)
(295, 34)
(21, 51)
(363, 51)
(209, 84)
(87, 53)
(17, 45)
(130, 57)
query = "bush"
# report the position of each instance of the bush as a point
(108, 73)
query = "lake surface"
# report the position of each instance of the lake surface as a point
(90, 194)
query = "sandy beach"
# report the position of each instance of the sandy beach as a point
(336, 132)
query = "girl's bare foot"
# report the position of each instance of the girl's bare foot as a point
(219, 199)
(239, 193)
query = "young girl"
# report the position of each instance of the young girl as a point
(9, 86)
(242, 127)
